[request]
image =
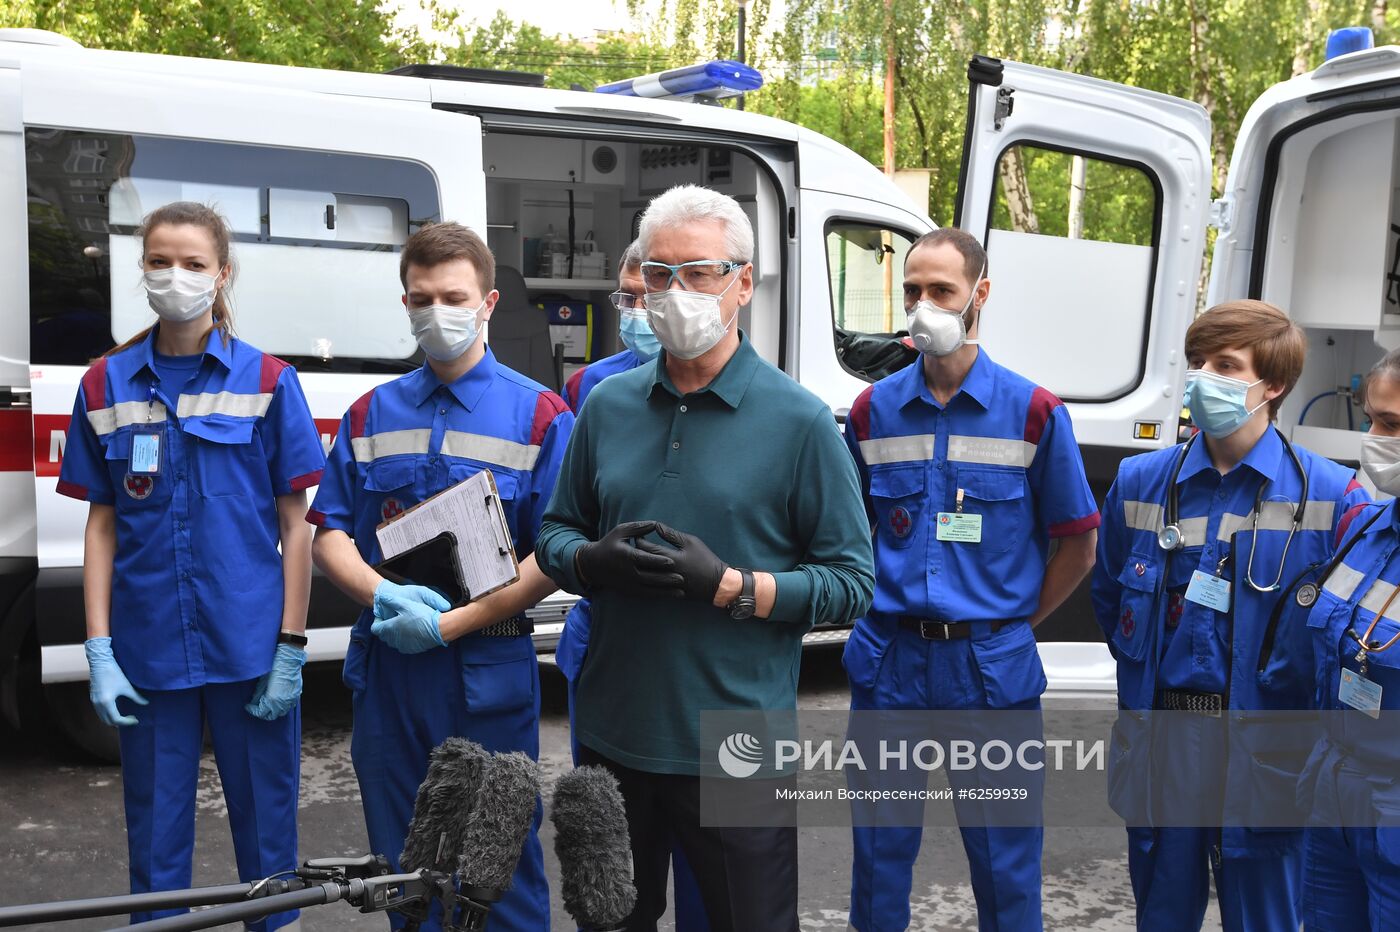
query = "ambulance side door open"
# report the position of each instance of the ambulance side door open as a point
(320, 189)
(1092, 200)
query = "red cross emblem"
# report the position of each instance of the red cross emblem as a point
(1175, 605)
(391, 507)
(1126, 624)
(566, 312)
(139, 487)
(900, 522)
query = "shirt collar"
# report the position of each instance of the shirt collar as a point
(1264, 458)
(731, 383)
(214, 346)
(468, 388)
(979, 384)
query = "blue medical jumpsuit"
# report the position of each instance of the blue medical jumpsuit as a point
(1351, 785)
(397, 445)
(573, 647)
(1165, 642)
(1008, 445)
(197, 589)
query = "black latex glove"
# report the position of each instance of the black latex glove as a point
(696, 564)
(614, 563)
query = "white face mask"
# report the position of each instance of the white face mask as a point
(445, 332)
(688, 323)
(179, 295)
(1380, 457)
(937, 331)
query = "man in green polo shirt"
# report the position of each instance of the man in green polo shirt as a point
(708, 506)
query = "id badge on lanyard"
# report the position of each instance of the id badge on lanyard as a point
(146, 443)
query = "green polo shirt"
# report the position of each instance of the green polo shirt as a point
(753, 465)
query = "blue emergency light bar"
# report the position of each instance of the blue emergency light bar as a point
(714, 79)
(1349, 39)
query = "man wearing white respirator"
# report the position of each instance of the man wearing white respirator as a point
(969, 471)
(422, 671)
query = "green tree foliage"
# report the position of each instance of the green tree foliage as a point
(824, 60)
(346, 34)
(1220, 53)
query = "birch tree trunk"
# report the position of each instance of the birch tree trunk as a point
(1012, 169)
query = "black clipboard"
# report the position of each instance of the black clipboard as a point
(433, 564)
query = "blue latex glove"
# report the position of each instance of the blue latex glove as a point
(108, 682)
(406, 617)
(280, 687)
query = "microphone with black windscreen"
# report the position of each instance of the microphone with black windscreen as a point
(594, 849)
(442, 810)
(498, 825)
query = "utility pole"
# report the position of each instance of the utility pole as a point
(743, 26)
(889, 87)
(885, 238)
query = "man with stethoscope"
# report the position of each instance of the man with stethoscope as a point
(1352, 845)
(1198, 546)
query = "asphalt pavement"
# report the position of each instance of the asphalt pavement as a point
(62, 831)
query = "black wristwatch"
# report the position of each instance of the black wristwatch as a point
(743, 607)
(289, 637)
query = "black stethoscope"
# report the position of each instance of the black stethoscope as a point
(1170, 538)
(1306, 594)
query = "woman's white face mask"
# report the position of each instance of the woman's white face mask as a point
(1380, 458)
(179, 295)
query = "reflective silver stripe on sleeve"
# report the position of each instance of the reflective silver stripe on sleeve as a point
(123, 413)
(230, 403)
(1148, 516)
(991, 451)
(494, 450)
(1343, 582)
(1376, 597)
(914, 447)
(1278, 516)
(390, 443)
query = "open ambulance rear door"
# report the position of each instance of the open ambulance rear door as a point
(1092, 200)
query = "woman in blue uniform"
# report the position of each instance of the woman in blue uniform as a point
(194, 451)
(1352, 848)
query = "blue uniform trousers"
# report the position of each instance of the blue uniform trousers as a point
(259, 765)
(1170, 867)
(569, 654)
(1352, 879)
(485, 689)
(1004, 861)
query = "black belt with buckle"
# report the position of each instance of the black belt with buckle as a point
(511, 627)
(931, 630)
(1189, 700)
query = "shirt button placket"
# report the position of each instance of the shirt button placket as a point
(180, 497)
(673, 454)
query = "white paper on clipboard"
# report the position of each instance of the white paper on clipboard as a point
(472, 511)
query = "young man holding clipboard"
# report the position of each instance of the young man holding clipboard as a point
(423, 670)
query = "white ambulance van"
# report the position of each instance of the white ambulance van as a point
(323, 175)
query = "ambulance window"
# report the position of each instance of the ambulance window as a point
(866, 264)
(316, 241)
(1071, 251)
